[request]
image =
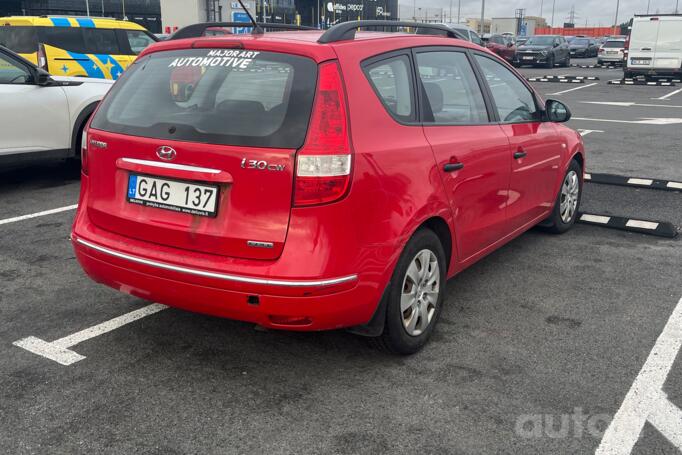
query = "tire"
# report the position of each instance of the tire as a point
(561, 220)
(627, 74)
(406, 332)
(550, 62)
(567, 62)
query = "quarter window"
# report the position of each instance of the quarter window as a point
(514, 101)
(450, 88)
(138, 40)
(392, 82)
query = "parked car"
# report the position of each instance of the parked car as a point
(243, 197)
(546, 50)
(42, 116)
(468, 32)
(611, 52)
(75, 46)
(502, 47)
(583, 47)
(655, 46)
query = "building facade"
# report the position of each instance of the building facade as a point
(145, 12)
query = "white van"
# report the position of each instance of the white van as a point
(655, 47)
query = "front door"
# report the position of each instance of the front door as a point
(32, 118)
(536, 148)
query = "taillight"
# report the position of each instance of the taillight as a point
(84, 151)
(42, 57)
(601, 51)
(323, 165)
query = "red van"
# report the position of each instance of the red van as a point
(309, 180)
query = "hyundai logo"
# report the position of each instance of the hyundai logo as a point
(166, 153)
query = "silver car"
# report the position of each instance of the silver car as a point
(611, 52)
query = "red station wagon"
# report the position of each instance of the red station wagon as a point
(309, 180)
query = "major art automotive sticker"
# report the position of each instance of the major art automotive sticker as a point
(229, 58)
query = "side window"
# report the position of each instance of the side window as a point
(514, 101)
(450, 87)
(393, 84)
(101, 41)
(12, 73)
(22, 40)
(69, 39)
(138, 40)
(475, 38)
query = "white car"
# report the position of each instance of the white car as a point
(655, 46)
(42, 115)
(612, 51)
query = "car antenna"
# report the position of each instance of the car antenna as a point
(257, 29)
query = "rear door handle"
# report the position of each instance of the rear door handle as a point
(519, 154)
(451, 167)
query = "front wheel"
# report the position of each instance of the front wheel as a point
(567, 203)
(550, 61)
(415, 295)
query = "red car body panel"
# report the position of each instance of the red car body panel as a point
(504, 51)
(330, 264)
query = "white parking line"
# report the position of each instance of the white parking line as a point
(646, 401)
(36, 215)
(584, 132)
(574, 88)
(643, 121)
(58, 350)
(665, 97)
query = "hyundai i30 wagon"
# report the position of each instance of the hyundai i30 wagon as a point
(309, 180)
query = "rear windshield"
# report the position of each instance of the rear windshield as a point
(22, 40)
(216, 96)
(617, 44)
(580, 42)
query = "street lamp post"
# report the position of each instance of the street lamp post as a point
(87, 7)
(615, 22)
(541, 4)
(482, 15)
(553, 5)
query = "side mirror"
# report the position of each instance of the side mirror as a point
(557, 111)
(43, 78)
(510, 44)
(556, 45)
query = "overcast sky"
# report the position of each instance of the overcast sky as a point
(596, 12)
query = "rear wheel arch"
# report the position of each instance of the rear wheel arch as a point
(79, 125)
(440, 227)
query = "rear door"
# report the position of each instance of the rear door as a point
(195, 149)
(668, 51)
(536, 148)
(643, 43)
(472, 153)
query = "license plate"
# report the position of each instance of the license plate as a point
(528, 58)
(612, 52)
(640, 62)
(175, 195)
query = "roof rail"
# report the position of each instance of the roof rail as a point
(346, 30)
(197, 30)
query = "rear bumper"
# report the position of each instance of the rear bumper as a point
(654, 72)
(304, 305)
(534, 59)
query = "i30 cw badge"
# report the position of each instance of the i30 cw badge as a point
(166, 153)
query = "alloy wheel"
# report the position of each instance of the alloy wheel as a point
(570, 192)
(421, 286)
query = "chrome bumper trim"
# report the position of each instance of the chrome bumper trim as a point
(221, 276)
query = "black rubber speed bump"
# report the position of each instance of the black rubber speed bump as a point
(649, 227)
(641, 82)
(570, 80)
(634, 182)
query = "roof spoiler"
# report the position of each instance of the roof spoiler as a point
(345, 31)
(198, 30)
